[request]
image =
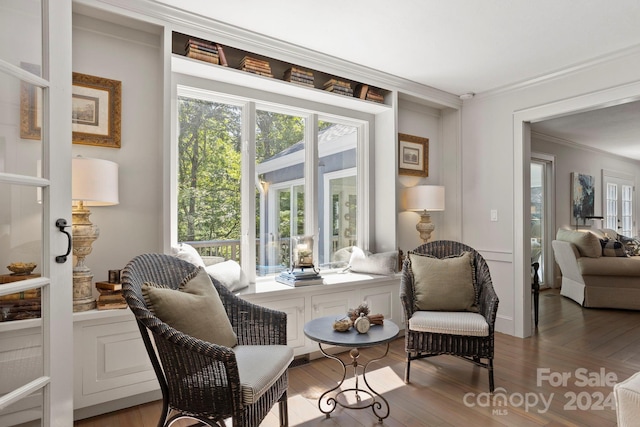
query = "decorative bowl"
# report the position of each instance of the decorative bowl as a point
(21, 268)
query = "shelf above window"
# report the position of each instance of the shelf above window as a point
(193, 67)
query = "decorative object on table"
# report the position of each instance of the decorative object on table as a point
(424, 198)
(582, 197)
(299, 76)
(342, 325)
(19, 305)
(339, 87)
(96, 104)
(413, 155)
(21, 268)
(114, 276)
(257, 66)
(302, 272)
(362, 324)
(94, 183)
(363, 310)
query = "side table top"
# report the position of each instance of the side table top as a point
(321, 330)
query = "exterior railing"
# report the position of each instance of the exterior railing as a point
(230, 249)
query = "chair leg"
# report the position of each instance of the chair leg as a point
(407, 368)
(165, 413)
(284, 413)
(490, 369)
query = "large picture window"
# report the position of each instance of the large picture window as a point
(303, 178)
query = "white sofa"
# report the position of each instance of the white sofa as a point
(593, 280)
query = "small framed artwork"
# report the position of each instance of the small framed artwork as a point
(96, 104)
(413, 155)
(30, 105)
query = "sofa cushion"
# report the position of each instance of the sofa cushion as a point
(187, 253)
(631, 244)
(610, 266)
(612, 247)
(444, 284)
(383, 263)
(229, 274)
(195, 309)
(587, 243)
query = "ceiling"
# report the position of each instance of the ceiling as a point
(459, 46)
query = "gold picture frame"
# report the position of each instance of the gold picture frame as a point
(96, 110)
(413, 155)
(30, 105)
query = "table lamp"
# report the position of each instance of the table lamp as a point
(94, 183)
(424, 198)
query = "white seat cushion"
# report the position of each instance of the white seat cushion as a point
(627, 395)
(259, 367)
(449, 322)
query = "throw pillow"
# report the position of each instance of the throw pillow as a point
(187, 253)
(383, 263)
(195, 309)
(611, 247)
(230, 274)
(631, 244)
(587, 243)
(444, 284)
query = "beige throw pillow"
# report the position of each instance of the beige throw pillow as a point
(195, 309)
(588, 244)
(444, 284)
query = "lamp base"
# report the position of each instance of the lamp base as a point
(425, 227)
(82, 291)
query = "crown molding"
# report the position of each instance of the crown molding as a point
(240, 38)
(575, 145)
(563, 72)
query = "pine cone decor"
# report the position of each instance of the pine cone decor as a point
(354, 313)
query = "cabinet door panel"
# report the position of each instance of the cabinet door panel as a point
(294, 308)
(337, 303)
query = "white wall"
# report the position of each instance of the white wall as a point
(133, 57)
(489, 169)
(422, 121)
(576, 159)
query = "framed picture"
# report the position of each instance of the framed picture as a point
(582, 197)
(413, 155)
(30, 105)
(96, 104)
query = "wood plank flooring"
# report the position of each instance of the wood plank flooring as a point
(447, 391)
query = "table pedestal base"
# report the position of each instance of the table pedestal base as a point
(329, 401)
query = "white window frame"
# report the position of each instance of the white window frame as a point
(251, 100)
(620, 180)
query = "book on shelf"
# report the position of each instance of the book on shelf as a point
(222, 56)
(205, 58)
(198, 42)
(195, 48)
(101, 305)
(298, 80)
(24, 295)
(336, 82)
(107, 296)
(247, 60)
(260, 73)
(108, 286)
(257, 69)
(361, 91)
(202, 52)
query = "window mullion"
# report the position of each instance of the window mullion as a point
(311, 181)
(248, 200)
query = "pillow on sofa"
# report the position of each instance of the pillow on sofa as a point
(587, 243)
(187, 253)
(195, 309)
(230, 274)
(631, 244)
(444, 284)
(612, 247)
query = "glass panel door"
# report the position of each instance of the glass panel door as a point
(618, 202)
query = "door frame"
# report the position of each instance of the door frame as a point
(521, 119)
(550, 214)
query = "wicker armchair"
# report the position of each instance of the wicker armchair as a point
(424, 342)
(201, 380)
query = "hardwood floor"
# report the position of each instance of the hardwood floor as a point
(588, 345)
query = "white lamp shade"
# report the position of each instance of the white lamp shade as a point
(94, 181)
(424, 197)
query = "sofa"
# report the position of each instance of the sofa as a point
(597, 269)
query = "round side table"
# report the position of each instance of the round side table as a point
(321, 330)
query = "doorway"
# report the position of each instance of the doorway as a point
(542, 216)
